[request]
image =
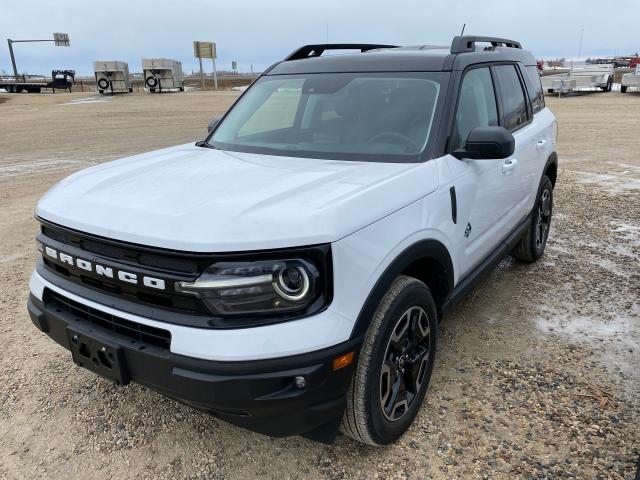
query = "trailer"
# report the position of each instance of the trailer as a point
(60, 79)
(112, 76)
(580, 77)
(162, 74)
(630, 80)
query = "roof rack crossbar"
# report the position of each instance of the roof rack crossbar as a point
(467, 43)
(309, 51)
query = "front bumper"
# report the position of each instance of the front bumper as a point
(259, 395)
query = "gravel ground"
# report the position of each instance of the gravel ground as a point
(538, 370)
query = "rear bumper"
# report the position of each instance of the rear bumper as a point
(259, 395)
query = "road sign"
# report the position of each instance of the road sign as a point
(61, 39)
(204, 50)
(234, 65)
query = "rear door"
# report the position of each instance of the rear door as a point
(519, 171)
(544, 125)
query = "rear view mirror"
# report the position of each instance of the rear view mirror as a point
(212, 124)
(485, 143)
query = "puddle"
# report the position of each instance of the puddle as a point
(616, 339)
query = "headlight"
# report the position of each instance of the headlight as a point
(256, 287)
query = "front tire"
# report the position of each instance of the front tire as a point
(623, 89)
(394, 366)
(534, 240)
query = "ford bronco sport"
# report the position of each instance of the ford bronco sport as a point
(288, 273)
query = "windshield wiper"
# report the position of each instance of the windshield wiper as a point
(205, 144)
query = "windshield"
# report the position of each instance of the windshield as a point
(346, 116)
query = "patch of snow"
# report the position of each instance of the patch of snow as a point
(81, 101)
(612, 183)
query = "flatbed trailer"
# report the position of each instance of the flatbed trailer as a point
(21, 83)
(60, 79)
(580, 77)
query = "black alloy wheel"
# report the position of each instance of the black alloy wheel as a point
(405, 363)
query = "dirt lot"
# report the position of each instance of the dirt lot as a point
(537, 375)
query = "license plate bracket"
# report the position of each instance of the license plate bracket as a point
(99, 355)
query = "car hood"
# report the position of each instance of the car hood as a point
(203, 200)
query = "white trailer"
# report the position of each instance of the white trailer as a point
(580, 77)
(162, 74)
(112, 76)
(630, 80)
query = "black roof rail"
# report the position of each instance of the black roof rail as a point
(309, 51)
(467, 43)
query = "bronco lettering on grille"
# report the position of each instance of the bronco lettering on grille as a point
(104, 271)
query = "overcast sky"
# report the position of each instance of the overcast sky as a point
(260, 32)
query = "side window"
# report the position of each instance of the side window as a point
(513, 100)
(476, 106)
(532, 79)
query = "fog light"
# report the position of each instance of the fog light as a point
(300, 381)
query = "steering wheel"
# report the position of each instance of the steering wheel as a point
(394, 137)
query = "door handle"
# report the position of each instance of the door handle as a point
(509, 164)
(540, 144)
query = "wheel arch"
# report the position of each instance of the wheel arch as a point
(551, 168)
(427, 260)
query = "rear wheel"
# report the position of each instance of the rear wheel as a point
(394, 366)
(623, 89)
(534, 240)
(550, 90)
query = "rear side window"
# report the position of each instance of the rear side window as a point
(476, 106)
(513, 100)
(532, 80)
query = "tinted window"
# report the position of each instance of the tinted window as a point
(513, 100)
(476, 106)
(347, 116)
(532, 79)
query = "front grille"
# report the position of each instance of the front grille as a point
(136, 331)
(170, 266)
(141, 256)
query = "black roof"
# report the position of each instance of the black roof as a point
(388, 58)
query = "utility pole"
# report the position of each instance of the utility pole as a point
(580, 46)
(13, 58)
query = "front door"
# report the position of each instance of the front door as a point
(482, 186)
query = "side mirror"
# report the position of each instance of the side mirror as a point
(212, 124)
(486, 143)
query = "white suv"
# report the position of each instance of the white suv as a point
(288, 273)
